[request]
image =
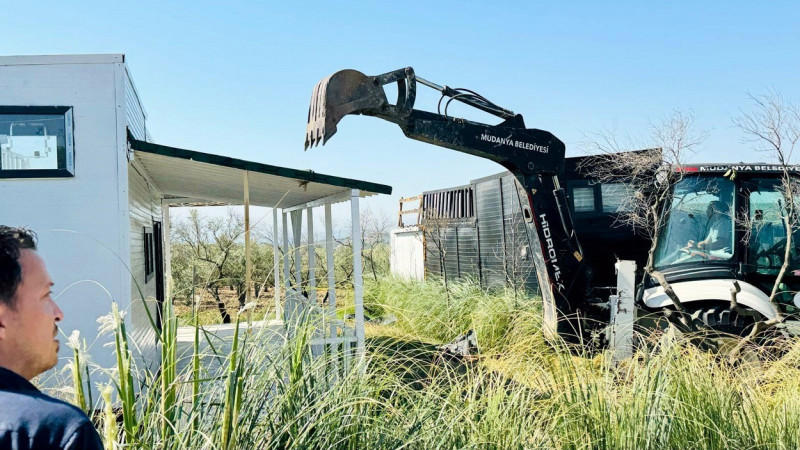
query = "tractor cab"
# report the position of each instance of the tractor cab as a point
(726, 223)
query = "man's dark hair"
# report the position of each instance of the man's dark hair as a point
(12, 242)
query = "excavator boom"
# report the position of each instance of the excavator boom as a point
(535, 157)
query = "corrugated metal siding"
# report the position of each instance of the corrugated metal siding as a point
(495, 248)
(468, 258)
(133, 111)
(434, 241)
(451, 257)
(489, 211)
(519, 265)
(145, 207)
(460, 245)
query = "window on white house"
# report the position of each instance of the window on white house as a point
(36, 142)
(149, 254)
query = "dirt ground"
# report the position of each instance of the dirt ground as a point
(209, 313)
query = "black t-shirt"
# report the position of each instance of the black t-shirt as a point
(30, 419)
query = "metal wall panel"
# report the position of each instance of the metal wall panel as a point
(489, 211)
(468, 258)
(435, 238)
(134, 113)
(520, 272)
(78, 219)
(451, 256)
(145, 208)
(494, 248)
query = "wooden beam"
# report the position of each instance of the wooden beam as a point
(406, 199)
(333, 198)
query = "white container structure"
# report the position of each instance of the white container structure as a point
(407, 259)
(80, 169)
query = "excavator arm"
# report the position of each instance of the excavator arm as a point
(509, 143)
(535, 157)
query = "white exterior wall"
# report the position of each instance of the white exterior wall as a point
(144, 206)
(134, 111)
(407, 253)
(82, 222)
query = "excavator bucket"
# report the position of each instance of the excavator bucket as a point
(345, 92)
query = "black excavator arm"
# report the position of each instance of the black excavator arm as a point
(535, 157)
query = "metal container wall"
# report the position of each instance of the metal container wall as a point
(486, 240)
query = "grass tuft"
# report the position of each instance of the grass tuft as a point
(519, 393)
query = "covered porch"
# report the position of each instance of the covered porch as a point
(193, 178)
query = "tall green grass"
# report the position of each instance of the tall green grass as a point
(519, 394)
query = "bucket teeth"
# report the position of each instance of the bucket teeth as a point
(345, 92)
(315, 130)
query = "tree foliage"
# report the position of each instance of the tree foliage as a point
(208, 256)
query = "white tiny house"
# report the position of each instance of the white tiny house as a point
(76, 196)
(78, 167)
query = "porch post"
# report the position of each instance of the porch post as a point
(276, 265)
(358, 280)
(297, 229)
(312, 258)
(248, 263)
(332, 328)
(329, 259)
(166, 226)
(286, 278)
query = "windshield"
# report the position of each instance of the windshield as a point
(699, 224)
(768, 229)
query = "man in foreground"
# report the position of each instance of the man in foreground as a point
(30, 419)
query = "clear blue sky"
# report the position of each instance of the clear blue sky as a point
(235, 78)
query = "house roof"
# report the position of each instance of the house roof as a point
(192, 178)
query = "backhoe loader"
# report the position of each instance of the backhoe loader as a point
(701, 268)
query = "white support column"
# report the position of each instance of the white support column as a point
(248, 260)
(167, 252)
(329, 259)
(288, 298)
(276, 266)
(312, 258)
(297, 230)
(332, 329)
(358, 279)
